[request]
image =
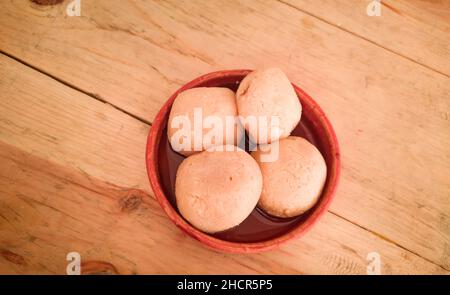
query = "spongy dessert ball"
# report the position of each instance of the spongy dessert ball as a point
(201, 118)
(217, 190)
(293, 182)
(268, 94)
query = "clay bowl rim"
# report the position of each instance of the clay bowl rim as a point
(152, 149)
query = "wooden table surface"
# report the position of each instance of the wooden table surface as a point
(78, 95)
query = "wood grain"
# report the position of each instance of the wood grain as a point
(49, 210)
(415, 29)
(100, 139)
(49, 206)
(391, 114)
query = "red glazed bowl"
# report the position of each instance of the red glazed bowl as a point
(314, 126)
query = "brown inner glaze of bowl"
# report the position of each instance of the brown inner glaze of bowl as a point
(258, 226)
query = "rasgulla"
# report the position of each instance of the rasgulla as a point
(217, 190)
(268, 94)
(293, 183)
(215, 103)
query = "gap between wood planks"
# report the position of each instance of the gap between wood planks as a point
(364, 38)
(97, 97)
(68, 84)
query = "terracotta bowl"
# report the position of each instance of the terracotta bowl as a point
(162, 163)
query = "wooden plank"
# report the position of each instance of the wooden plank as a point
(391, 115)
(48, 210)
(100, 139)
(418, 30)
(49, 206)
